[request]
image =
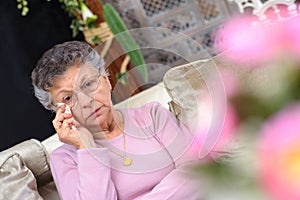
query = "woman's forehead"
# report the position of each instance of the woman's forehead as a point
(74, 76)
(86, 69)
(80, 72)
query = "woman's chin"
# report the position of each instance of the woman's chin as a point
(94, 128)
(96, 124)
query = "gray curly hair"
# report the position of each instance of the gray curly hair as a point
(56, 61)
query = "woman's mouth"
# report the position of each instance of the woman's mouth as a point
(96, 113)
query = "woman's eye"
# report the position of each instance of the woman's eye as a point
(89, 84)
(67, 99)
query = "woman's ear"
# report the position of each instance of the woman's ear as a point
(108, 82)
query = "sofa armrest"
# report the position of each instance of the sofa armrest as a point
(35, 158)
(51, 143)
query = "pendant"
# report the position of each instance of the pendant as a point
(127, 161)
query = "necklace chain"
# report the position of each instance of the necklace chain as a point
(127, 161)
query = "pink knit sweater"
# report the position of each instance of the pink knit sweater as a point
(155, 141)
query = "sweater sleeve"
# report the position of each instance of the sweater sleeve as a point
(82, 174)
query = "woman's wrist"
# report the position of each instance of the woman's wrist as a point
(86, 145)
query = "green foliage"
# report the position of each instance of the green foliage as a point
(69, 4)
(23, 6)
(119, 29)
(76, 26)
(96, 40)
(76, 9)
(122, 77)
(283, 79)
(250, 106)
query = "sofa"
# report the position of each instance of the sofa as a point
(24, 168)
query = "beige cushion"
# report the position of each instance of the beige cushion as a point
(16, 180)
(199, 82)
(34, 156)
(184, 84)
(155, 93)
(198, 96)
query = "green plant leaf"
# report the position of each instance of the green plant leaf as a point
(96, 40)
(122, 78)
(119, 29)
(87, 15)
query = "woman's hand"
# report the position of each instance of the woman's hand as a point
(63, 122)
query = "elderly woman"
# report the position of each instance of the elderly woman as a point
(136, 153)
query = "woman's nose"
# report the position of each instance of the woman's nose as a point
(84, 100)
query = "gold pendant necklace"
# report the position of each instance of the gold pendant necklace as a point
(127, 161)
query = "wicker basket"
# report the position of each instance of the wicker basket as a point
(102, 31)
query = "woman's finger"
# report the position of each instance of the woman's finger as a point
(60, 117)
(69, 123)
(75, 123)
(60, 108)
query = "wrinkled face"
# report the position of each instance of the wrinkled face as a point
(88, 95)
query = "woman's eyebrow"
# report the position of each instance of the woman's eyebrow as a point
(85, 77)
(63, 91)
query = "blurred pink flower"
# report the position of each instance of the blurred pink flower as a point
(225, 136)
(257, 42)
(290, 35)
(279, 154)
(229, 127)
(231, 82)
(247, 42)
